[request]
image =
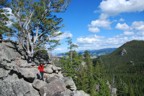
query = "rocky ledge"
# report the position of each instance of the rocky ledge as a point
(19, 78)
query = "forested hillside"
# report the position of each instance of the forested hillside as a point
(125, 68)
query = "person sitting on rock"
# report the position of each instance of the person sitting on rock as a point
(41, 70)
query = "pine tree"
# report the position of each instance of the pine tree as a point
(36, 23)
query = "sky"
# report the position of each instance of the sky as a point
(98, 24)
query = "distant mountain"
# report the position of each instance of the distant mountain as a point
(100, 51)
(95, 52)
(132, 51)
(125, 68)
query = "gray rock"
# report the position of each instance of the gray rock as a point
(123, 52)
(11, 78)
(28, 73)
(3, 73)
(6, 89)
(38, 84)
(70, 83)
(80, 93)
(48, 70)
(114, 92)
(67, 93)
(53, 88)
(8, 51)
(48, 80)
(17, 88)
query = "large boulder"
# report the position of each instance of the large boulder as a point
(3, 73)
(38, 84)
(49, 69)
(51, 77)
(80, 93)
(8, 51)
(6, 89)
(66, 93)
(52, 69)
(28, 72)
(53, 88)
(70, 83)
(17, 88)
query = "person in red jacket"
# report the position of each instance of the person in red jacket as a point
(41, 70)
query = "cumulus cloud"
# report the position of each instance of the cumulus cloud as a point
(99, 23)
(109, 8)
(123, 26)
(138, 25)
(114, 7)
(135, 31)
(93, 29)
(89, 39)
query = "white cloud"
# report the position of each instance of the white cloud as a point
(93, 29)
(64, 35)
(89, 39)
(123, 26)
(114, 7)
(99, 23)
(110, 8)
(128, 33)
(133, 32)
(138, 25)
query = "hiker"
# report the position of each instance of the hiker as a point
(41, 70)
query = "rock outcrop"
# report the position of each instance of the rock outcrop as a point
(19, 78)
(123, 52)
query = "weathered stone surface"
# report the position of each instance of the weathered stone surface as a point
(8, 51)
(48, 80)
(48, 70)
(3, 72)
(70, 83)
(66, 93)
(18, 78)
(6, 89)
(52, 69)
(52, 88)
(11, 78)
(80, 93)
(114, 92)
(17, 88)
(38, 84)
(28, 73)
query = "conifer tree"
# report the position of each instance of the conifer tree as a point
(36, 23)
(3, 20)
(71, 47)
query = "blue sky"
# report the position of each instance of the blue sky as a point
(97, 24)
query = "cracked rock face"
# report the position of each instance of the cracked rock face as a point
(17, 88)
(18, 78)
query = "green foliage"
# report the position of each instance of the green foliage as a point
(86, 74)
(127, 69)
(35, 23)
(3, 20)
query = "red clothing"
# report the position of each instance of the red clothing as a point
(41, 68)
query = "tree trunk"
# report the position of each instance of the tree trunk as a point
(1, 38)
(30, 56)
